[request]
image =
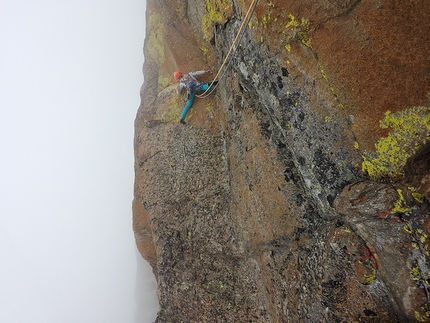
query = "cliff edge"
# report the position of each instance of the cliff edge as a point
(299, 191)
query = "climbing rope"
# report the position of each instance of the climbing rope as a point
(233, 49)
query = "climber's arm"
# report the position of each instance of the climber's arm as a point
(197, 73)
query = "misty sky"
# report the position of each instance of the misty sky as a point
(70, 74)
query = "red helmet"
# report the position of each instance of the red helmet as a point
(178, 75)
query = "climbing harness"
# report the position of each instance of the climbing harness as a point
(233, 48)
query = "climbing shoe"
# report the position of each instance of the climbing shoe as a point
(182, 121)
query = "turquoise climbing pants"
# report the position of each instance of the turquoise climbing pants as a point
(191, 97)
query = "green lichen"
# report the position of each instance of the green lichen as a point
(216, 12)
(410, 130)
(155, 41)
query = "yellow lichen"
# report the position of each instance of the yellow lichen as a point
(216, 12)
(333, 91)
(400, 204)
(268, 16)
(298, 30)
(407, 229)
(415, 272)
(163, 82)
(182, 14)
(422, 236)
(185, 286)
(205, 52)
(172, 113)
(421, 318)
(416, 195)
(305, 22)
(265, 21)
(324, 75)
(303, 36)
(368, 279)
(356, 145)
(410, 130)
(292, 22)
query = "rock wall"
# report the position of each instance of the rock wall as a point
(299, 191)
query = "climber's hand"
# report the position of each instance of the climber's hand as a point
(208, 72)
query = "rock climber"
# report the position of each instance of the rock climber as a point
(192, 85)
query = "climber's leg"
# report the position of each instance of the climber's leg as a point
(188, 106)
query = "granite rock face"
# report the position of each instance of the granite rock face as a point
(299, 190)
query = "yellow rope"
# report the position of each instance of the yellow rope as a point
(244, 23)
